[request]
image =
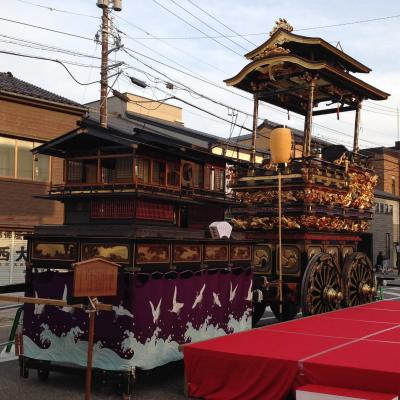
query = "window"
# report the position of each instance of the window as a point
(112, 208)
(174, 174)
(41, 167)
(198, 175)
(394, 185)
(82, 171)
(143, 170)
(152, 210)
(18, 161)
(7, 157)
(24, 160)
(159, 173)
(214, 178)
(219, 180)
(116, 169)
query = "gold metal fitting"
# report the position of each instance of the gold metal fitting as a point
(330, 294)
(366, 290)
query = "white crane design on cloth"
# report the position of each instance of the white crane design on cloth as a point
(65, 295)
(232, 293)
(155, 312)
(120, 311)
(38, 307)
(199, 297)
(216, 299)
(176, 307)
(250, 292)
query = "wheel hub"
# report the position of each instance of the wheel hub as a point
(332, 295)
(366, 290)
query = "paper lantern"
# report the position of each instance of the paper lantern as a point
(281, 145)
(220, 230)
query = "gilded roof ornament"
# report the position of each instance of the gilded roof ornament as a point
(271, 50)
(281, 23)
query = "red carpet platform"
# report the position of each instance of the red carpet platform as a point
(355, 348)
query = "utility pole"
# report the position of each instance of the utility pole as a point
(104, 5)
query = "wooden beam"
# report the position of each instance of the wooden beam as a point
(50, 302)
(335, 110)
(271, 93)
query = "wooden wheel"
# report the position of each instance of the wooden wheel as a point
(358, 280)
(321, 288)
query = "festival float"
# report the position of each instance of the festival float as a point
(315, 202)
(141, 198)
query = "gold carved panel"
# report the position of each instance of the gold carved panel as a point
(152, 253)
(186, 253)
(215, 252)
(262, 258)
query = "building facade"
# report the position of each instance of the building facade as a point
(385, 226)
(29, 117)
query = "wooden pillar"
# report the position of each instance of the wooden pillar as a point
(357, 128)
(89, 367)
(255, 125)
(308, 120)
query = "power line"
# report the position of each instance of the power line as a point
(243, 35)
(58, 10)
(206, 24)
(163, 41)
(46, 29)
(46, 47)
(189, 74)
(362, 21)
(198, 108)
(197, 29)
(220, 22)
(49, 59)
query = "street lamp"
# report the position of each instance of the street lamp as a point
(281, 150)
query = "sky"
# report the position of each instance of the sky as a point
(157, 40)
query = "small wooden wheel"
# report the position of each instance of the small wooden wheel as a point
(358, 280)
(321, 288)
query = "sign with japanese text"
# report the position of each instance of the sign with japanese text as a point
(13, 257)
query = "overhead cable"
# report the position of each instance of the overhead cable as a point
(197, 29)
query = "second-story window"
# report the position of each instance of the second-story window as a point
(159, 173)
(7, 157)
(17, 160)
(82, 171)
(173, 174)
(114, 170)
(143, 170)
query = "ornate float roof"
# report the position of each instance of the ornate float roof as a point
(281, 69)
(284, 41)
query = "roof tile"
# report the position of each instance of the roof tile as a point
(11, 84)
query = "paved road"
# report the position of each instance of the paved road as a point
(165, 383)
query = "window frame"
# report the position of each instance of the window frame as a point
(15, 176)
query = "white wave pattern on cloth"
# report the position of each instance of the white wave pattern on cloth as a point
(154, 352)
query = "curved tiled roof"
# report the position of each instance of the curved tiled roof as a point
(9, 83)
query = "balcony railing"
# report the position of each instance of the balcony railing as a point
(119, 188)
